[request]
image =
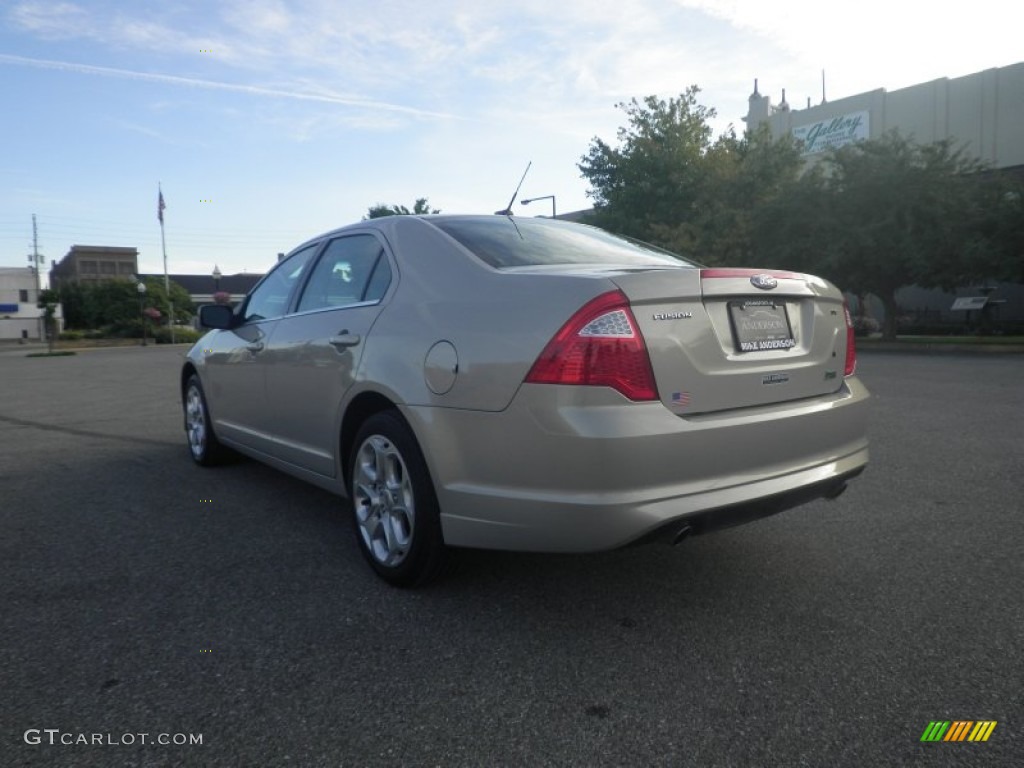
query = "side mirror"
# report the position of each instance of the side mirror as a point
(218, 316)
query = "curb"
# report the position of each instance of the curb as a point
(983, 350)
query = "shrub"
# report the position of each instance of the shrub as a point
(181, 335)
(865, 326)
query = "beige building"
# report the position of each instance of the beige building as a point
(984, 111)
(94, 263)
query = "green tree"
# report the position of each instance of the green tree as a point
(905, 214)
(655, 177)
(997, 250)
(419, 208)
(73, 300)
(745, 179)
(117, 302)
(668, 182)
(796, 229)
(156, 297)
(48, 301)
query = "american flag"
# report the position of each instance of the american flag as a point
(160, 207)
(681, 398)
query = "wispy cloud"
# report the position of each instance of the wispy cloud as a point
(144, 130)
(323, 96)
(52, 21)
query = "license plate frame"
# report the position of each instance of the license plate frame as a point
(760, 325)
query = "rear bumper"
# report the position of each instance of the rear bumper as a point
(747, 512)
(577, 469)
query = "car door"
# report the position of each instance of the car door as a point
(235, 362)
(316, 350)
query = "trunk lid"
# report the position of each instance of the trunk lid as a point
(717, 341)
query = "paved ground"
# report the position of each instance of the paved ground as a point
(141, 594)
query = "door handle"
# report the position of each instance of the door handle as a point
(256, 346)
(344, 339)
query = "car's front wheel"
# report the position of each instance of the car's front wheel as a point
(396, 514)
(202, 442)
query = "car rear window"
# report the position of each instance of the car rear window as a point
(504, 242)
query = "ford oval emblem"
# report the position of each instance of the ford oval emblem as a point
(764, 282)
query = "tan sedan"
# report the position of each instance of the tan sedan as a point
(529, 384)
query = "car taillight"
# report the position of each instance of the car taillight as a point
(599, 346)
(851, 349)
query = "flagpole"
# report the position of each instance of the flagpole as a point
(163, 244)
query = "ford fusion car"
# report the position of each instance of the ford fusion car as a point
(529, 384)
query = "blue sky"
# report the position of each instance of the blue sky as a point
(270, 121)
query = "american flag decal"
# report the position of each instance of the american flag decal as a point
(680, 398)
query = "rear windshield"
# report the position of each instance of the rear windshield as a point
(503, 242)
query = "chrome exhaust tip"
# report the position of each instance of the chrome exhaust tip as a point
(684, 531)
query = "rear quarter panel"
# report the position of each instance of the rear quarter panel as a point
(498, 322)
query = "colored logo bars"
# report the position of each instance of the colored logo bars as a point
(958, 730)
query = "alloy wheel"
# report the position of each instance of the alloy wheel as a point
(384, 501)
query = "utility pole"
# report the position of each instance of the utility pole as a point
(35, 257)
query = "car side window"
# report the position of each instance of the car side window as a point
(379, 281)
(270, 299)
(351, 270)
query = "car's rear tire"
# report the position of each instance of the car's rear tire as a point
(203, 445)
(395, 510)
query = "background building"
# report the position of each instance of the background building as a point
(983, 112)
(20, 317)
(94, 263)
(201, 288)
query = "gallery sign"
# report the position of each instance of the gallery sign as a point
(833, 132)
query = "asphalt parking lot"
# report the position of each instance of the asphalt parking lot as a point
(144, 595)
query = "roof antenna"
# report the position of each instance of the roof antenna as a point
(508, 210)
(823, 87)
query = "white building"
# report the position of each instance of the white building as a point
(20, 318)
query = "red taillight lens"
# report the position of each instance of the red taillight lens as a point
(599, 346)
(851, 349)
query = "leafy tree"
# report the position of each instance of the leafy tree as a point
(796, 229)
(669, 183)
(72, 299)
(997, 252)
(905, 214)
(419, 208)
(116, 302)
(746, 178)
(655, 176)
(156, 296)
(48, 301)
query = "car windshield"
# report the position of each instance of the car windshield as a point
(504, 242)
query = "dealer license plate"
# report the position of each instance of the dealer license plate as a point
(760, 324)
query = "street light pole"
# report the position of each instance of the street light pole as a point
(554, 213)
